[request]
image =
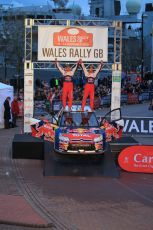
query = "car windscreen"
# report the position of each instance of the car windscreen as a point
(79, 119)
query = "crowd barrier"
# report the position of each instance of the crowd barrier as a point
(145, 96)
(133, 99)
(106, 100)
(56, 105)
(124, 98)
(129, 98)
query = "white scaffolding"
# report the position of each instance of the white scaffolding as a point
(114, 56)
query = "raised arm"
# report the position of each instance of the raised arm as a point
(84, 69)
(98, 69)
(75, 68)
(59, 67)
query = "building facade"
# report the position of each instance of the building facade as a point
(104, 8)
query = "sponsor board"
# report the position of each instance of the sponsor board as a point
(138, 126)
(142, 126)
(21, 108)
(72, 43)
(116, 93)
(28, 98)
(137, 159)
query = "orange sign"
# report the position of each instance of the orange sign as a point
(137, 159)
(73, 37)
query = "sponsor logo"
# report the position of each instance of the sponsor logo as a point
(28, 92)
(116, 78)
(140, 158)
(80, 135)
(28, 83)
(28, 107)
(29, 115)
(73, 37)
(137, 159)
(80, 130)
(28, 74)
(28, 100)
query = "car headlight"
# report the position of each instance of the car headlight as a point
(98, 139)
(62, 138)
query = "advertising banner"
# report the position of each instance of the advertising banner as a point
(137, 159)
(142, 126)
(21, 105)
(138, 126)
(72, 43)
(28, 98)
(116, 93)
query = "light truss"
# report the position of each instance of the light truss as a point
(51, 65)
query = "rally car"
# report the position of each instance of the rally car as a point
(79, 132)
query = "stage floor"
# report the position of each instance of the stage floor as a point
(81, 166)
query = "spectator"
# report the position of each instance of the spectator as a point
(7, 113)
(14, 110)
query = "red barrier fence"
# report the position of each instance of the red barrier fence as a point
(133, 99)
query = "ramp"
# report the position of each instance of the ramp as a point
(81, 166)
(118, 145)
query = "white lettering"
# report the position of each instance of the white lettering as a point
(135, 158)
(134, 126)
(150, 126)
(142, 127)
(150, 159)
(125, 126)
(139, 158)
(144, 159)
(80, 135)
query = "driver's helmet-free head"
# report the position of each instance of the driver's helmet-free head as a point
(68, 121)
(91, 69)
(68, 118)
(67, 68)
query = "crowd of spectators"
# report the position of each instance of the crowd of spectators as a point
(52, 90)
(11, 112)
(44, 90)
(138, 87)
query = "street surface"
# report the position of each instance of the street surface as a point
(78, 203)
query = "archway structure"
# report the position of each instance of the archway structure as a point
(68, 41)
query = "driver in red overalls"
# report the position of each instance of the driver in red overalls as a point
(67, 73)
(89, 89)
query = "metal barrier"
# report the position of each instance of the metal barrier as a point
(97, 103)
(106, 100)
(144, 96)
(56, 105)
(150, 95)
(124, 98)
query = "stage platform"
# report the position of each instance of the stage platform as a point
(27, 147)
(81, 166)
(118, 145)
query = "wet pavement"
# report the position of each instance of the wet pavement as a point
(75, 203)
